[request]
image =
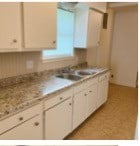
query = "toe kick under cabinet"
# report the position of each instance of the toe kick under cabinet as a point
(59, 114)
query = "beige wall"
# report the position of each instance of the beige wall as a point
(103, 52)
(125, 47)
(12, 64)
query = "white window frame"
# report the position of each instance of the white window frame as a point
(58, 58)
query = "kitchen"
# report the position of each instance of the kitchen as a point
(74, 79)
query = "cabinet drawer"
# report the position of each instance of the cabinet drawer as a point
(14, 120)
(29, 130)
(104, 76)
(92, 81)
(80, 87)
(58, 98)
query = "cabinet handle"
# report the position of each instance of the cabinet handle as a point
(54, 42)
(70, 103)
(14, 41)
(61, 98)
(85, 94)
(36, 123)
(20, 118)
(90, 91)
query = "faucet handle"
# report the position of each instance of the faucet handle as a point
(66, 69)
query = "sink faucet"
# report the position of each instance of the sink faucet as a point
(66, 69)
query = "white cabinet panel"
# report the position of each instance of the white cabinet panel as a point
(9, 26)
(92, 99)
(58, 120)
(29, 130)
(40, 25)
(103, 89)
(79, 108)
(80, 35)
(94, 28)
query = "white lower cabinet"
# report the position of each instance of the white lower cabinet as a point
(58, 120)
(92, 97)
(79, 108)
(29, 130)
(103, 89)
(59, 115)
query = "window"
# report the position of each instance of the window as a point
(65, 30)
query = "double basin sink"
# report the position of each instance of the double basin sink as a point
(76, 75)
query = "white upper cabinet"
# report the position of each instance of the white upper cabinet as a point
(9, 26)
(40, 25)
(94, 28)
(88, 25)
(27, 26)
(81, 26)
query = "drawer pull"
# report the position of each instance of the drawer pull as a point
(36, 123)
(61, 98)
(14, 41)
(85, 94)
(70, 103)
(20, 118)
(90, 91)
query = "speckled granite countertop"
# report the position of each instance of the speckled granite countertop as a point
(20, 96)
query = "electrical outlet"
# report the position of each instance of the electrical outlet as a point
(29, 64)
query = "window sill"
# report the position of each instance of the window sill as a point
(57, 59)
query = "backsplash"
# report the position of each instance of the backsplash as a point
(33, 76)
(14, 64)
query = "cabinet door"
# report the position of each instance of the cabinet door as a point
(58, 121)
(29, 130)
(87, 35)
(80, 34)
(94, 28)
(40, 25)
(79, 108)
(9, 26)
(92, 99)
(102, 92)
(93, 41)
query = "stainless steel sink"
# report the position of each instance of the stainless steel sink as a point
(69, 77)
(86, 72)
